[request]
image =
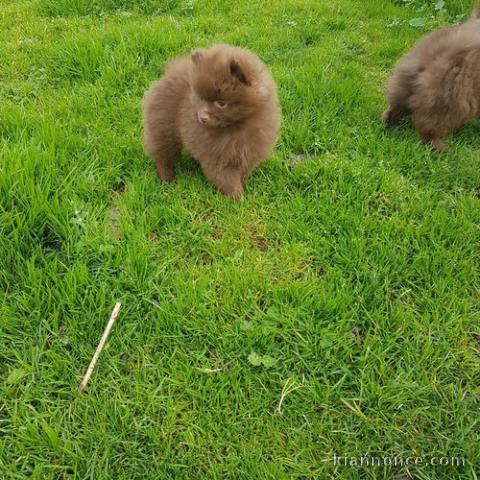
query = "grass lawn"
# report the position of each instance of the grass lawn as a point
(334, 310)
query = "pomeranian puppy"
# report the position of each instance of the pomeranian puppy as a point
(438, 82)
(219, 104)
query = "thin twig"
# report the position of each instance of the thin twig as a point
(101, 344)
(210, 370)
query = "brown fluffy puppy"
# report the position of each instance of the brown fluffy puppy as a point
(219, 104)
(438, 82)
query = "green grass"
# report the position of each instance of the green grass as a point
(353, 274)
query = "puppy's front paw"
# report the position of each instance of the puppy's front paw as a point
(390, 117)
(165, 175)
(433, 140)
(439, 145)
(385, 116)
(235, 192)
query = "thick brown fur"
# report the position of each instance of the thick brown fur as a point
(438, 82)
(220, 105)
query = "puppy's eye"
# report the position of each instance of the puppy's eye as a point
(221, 104)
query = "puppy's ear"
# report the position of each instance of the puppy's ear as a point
(238, 72)
(197, 56)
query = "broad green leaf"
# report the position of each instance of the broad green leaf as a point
(17, 375)
(255, 359)
(268, 361)
(417, 22)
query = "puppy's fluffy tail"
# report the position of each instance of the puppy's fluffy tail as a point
(476, 10)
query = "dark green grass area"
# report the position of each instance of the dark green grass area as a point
(334, 310)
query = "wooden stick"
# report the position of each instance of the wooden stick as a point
(101, 344)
